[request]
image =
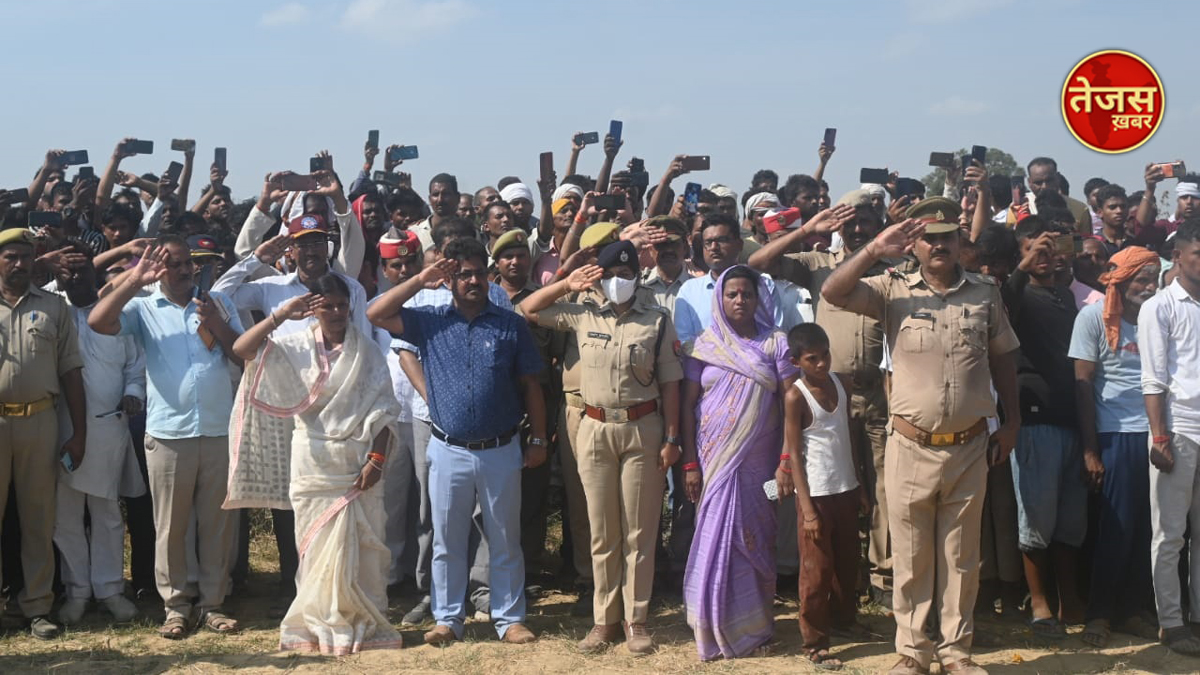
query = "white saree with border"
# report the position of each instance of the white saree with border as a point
(310, 415)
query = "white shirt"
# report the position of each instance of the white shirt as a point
(269, 293)
(796, 304)
(114, 366)
(349, 258)
(1169, 342)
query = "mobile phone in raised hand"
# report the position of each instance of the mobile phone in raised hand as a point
(219, 159)
(909, 187)
(943, 160)
(609, 202)
(830, 137)
(73, 158)
(174, 169)
(877, 176)
(137, 147)
(17, 196)
(691, 198)
(1172, 169)
(615, 127)
(979, 154)
(695, 163)
(183, 145)
(546, 165)
(43, 219)
(316, 164)
(85, 173)
(294, 182)
(587, 138)
(373, 139)
(1018, 190)
(402, 152)
(386, 178)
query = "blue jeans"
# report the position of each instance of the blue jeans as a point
(457, 478)
(1047, 467)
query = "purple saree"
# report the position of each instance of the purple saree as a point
(729, 585)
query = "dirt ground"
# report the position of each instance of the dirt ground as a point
(96, 648)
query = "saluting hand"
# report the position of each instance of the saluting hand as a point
(433, 275)
(896, 240)
(299, 307)
(584, 278)
(151, 268)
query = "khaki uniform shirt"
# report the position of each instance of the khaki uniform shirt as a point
(38, 345)
(620, 367)
(941, 380)
(664, 293)
(855, 340)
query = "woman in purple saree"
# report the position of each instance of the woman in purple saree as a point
(732, 437)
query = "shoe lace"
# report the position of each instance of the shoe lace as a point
(638, 630)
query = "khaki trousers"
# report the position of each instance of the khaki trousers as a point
(935, 504)
(577, 510)
(188, 476)
(618, 465)
(868, 437)
(29, 459)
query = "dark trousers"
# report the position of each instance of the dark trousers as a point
(139, 518)
(1121, 576)
(284, 524)
(828, 568)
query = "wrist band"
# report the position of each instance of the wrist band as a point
(274, 321)
(784, 457)
(1161, 439)
(376, 457)
(691, 466)
(786, 469)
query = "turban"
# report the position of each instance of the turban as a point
(516, 191)
(722, 192)
(558, 205)
(1127, 263)
(1187, 190)
(763, 201)
(565, 189)
(875, 189)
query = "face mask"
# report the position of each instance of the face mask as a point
(618, 290)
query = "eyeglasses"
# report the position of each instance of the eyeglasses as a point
(310, 244)
(717, 241)
(470, 274)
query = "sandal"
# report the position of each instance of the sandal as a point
(1181, 641)
(1047, 629)
(218, 622)
(175, 627)
(821, 659)
(1096, 633)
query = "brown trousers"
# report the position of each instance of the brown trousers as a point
(829, 568)
(29, 458)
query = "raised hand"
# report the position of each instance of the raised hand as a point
(370, 152)
(584, 278)
(896, 240)
(895, 210)
(299, 307)
(270, 250)
(122, 149)
(825, 152)
(54, 159)
(433, 275)
(216, 176)
(388, 162)
(611, 146)
(832, 219)
(151, 268)
(324, 154)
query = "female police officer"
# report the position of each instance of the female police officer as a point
(630, 388)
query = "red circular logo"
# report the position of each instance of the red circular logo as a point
(1113, 101)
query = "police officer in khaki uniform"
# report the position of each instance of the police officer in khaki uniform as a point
(671, 266)
(39, 348)
(629, 435)
(952, 344)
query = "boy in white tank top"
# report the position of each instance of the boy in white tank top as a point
(828, 494)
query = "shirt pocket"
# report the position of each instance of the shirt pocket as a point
(641, 363)
(973, 329)
(42, 338)
(595, 354)
(916, 336)
(498, 356)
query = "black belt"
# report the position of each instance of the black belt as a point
(486, 444)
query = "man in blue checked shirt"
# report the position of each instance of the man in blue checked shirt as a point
(480, 365)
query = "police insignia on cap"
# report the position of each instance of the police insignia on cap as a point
(624, 256)
(939, 216)
(402, 249)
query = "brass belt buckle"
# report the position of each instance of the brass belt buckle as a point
(941, 439)
(620, 416)
(14, 409)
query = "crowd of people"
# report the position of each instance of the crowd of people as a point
(994, 392)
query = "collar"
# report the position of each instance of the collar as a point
(161, 298)
(915, 279)
(451, 308)
(1179, 293)
(643, 300)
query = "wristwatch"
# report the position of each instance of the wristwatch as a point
(675, 440)
(538, 441)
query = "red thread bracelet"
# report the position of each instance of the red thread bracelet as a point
(784, 457)
(691, 466)
(1161, 439)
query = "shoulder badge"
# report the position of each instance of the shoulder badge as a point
(895, 273)
(678, 347)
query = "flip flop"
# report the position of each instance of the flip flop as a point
(1047, 629)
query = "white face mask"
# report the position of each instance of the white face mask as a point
(617, 289)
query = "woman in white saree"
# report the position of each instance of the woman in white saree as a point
(329, 385)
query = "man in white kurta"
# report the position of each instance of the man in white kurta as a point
(114, 379)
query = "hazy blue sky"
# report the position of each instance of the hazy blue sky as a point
(483, 87)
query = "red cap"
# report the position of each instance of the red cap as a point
(780, 220)
(399, 244)
(308, 223)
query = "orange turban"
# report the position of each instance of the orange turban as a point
(1123, 266)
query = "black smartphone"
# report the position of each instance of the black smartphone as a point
(316, 164)
(614, 129)
(1018, 190)
(691, 198)
(373, 139)
(183, 145)
(695, 163)
(44, 219)
(403, 152)
(73, 158)
(386, 178)
(173, 171)
(636, 164)
(140, 147)
(830, 137)
(609, 202)
(944, 160)
(17, 196)
(909, 187)
(877, 176)
(204, 280)
(85, 173)
(219, 158)
(294, 182)
(587, 138)
(979, 154)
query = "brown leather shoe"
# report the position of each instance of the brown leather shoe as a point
(440, 636)
(963, 667)
(518, 634)
(907, 665)
(638, 640)
(600, 638)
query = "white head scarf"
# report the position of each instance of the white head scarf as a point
(516, 191)
(1187, 190)
(875, 189)
(564, 190)
(762, 201)
(293, 207)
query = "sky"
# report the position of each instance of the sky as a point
(484, 87)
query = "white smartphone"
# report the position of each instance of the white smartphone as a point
(772, 489)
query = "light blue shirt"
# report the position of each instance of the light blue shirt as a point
(189, 392)
(693, 306)
(1118, 382)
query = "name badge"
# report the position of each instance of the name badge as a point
(922, 315)
(593, 335)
